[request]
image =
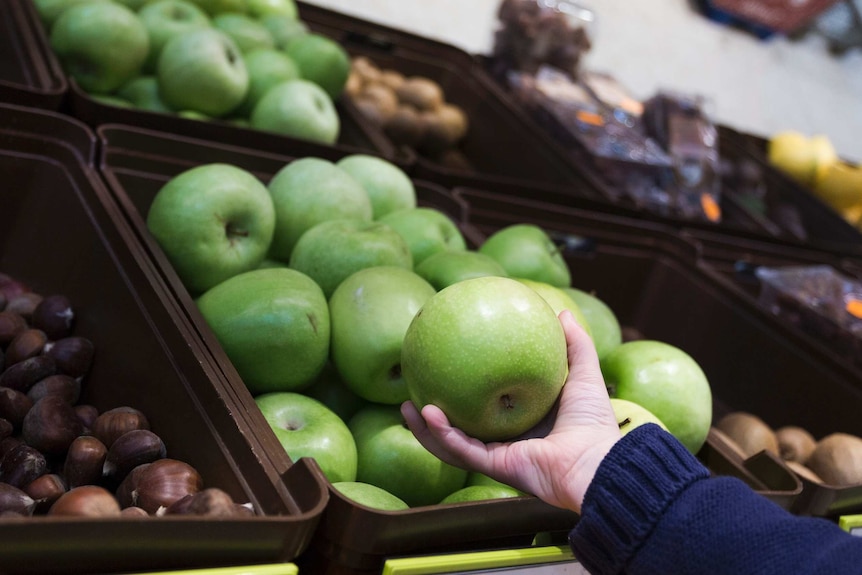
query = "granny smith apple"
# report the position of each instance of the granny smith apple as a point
(604, 326)
(266, 67)
(389, 188)
(112, 100)
(245, 31)
(667, 382)
(283, 29)
(213, 222)
(300, 109)
(143, 93)
(369, 495)
(490, 352)
(476, 478)
(273, 325)
(165, 19)
(370, 312)
(267, 263)
(261, 8)
(50, 10)
(332, 251)
(215, 7)
(480, 493)
(559, 300)
(194, 115)
(309, 191)
(391, 458)
(427, 231)
(321, 60)
(331, 391)
(202, 70)
(307, 428)
(448, 267)
(630, 415)
(102, 45)
(527, 251)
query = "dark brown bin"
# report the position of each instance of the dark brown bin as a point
(30, 74)
(61, 232)
(502, 148)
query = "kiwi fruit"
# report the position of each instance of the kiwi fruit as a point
(803, 471)
(750, 432)
(730, 443)
(421, 93)
(837, 459)
(794, 443)
(405, 126)
(355, 83)
(381, 97)
(365, 68)
(391, 78)
(455, 120)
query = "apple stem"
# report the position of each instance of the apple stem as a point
(507, 402)
(233, 232)
(624, 422)
(395, 371)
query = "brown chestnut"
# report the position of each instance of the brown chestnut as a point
(24, 304)
(51, 425)
(8, 444)
(24, 374)
(6, 428)
(22, 465)
(73, 355)
(14, 406)
(84, 461)
(45, 490)
(12, 287)
(86, 501)
(118, 421)
(15, 500)
(133, 512)
(29, 343)
(54, 315)
(87, 415)
(60, 384)
(212, 502)
(3, 301)
(131, 449)
(11, 324)
(159, 484)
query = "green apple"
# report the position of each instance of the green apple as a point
(389, 188)
(266, 68)
(666, 381)
(165, 19)
(309, 191)
(332, 251)
(307, 428)
(391, 458)
(322, 61)
(50, 10)
(370, 496)
(261, 8)
(300, 109)
(283, 29)
(630, 415)
(213, 222)
(101, 45)
(604, 326)
(446, 268)
(480, 479)
(370, 312)
(490, 353)
(245, 31)
(331, 391)
(112, 101)
(273, 325)
(559, 300)
(267, 263)
(215, 7)
(526, 251)
(133, 5)
(427, 231)
(480, 493)
(202, 70)
(143, 93)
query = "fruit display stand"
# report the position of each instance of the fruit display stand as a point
(500, 148)
(61, 232)
(30, 75)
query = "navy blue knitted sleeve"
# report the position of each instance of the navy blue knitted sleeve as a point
(652, 509)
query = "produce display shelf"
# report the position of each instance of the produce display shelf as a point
(30, 74)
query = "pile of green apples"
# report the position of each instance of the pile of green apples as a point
(311, 281)
(250, 62)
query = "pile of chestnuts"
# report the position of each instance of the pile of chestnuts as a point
(59, 457)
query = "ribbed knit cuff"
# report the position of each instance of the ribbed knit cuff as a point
(641, 476)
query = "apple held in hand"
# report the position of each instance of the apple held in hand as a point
(310, 191)
(101, 45)
(213, 222)
(604, 326)
(630, 415)
(391, 458)
(370, 312)
(427, 231)
(332, 251)
(527, 251)
(273, 325)
(165, 19)
(369, 495)
(559, 300)
(389, 188)
(307, 428)
(300, 109)
(667, 382)
(448, 267)
(490, 352)
(202, 70)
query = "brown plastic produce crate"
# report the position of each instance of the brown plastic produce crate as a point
(502, 148)
(30, 75)
(61, 232)
(350, 538)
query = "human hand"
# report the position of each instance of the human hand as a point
(556, 467)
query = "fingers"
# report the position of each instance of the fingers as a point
(581, 349)
(431, 427)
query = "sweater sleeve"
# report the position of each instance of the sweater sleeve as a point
(652, 508)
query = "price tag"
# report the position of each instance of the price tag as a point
(590, 118)
(550, 560)
(854, 307)
(710, 207)
(851, 524)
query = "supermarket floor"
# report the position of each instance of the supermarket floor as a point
(756, 86)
